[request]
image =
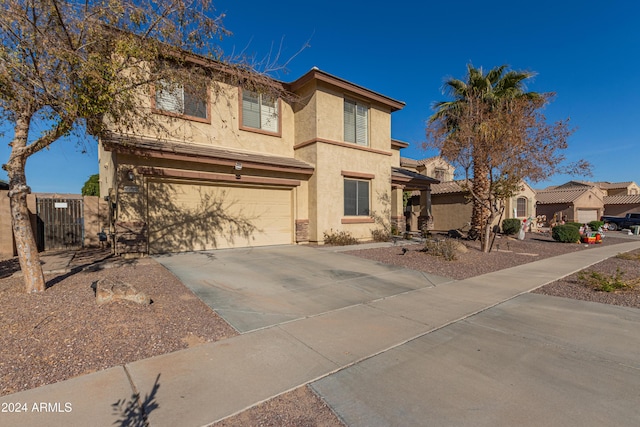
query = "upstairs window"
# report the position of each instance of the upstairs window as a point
(356, 123)
(259, 111)
(356, 197)
(181, 100)
(439, 174)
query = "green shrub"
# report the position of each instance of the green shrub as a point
(445, 248)
(511, 226)
(603, 282)
(594, 225)
(339, 238)
(380, 235)
(565, 233)
(574, 224)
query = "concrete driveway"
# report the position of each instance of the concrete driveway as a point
(259, 287)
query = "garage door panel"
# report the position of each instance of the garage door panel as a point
(184, 217)
(585, 216)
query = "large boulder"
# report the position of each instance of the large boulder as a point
(108, 290)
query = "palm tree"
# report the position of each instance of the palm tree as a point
(488, 89)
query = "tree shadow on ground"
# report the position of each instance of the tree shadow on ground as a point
(134, 411)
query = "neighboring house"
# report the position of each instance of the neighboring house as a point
(585, 201)
(628, 188)
(452, 206)
(621, 205)
(241, 169)
(417, 211)
(571, 203)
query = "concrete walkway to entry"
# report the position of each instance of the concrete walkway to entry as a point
(391, 354)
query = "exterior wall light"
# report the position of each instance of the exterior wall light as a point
(238, 166)
(130, 175)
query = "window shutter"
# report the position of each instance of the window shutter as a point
(350, 197)
(349, 121)
(362, 125)
(250, 109)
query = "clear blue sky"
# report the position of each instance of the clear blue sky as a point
(588, 52)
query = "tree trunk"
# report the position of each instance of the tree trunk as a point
(480, 212)
(18, 190)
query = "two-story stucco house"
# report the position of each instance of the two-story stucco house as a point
(240, 169)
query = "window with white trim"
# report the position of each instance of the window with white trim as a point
(521, 207)
(356, 122)
(179, 99)
(259, 111)
(356, 197)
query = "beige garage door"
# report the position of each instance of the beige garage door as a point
(587, 215)
(190, 217)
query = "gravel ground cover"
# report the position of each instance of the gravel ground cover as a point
(63, 333)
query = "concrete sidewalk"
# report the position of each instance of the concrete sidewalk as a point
(198, 386)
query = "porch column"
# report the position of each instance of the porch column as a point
(398, 222)
(425, 220)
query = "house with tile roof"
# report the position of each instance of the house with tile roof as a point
(418, 205)
(582, 203)
(241, 169)
(451, 206)
(585, 201)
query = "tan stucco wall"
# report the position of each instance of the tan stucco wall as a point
(326, 187)
(224, 129)
(95, 218)
(107, 162)
(330, 118)
(429, 169)
(512, 203)
(6, 233)
(450, 211)
(621, 210)
(96, 212)
(306, 117)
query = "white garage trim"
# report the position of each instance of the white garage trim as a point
(188, 216)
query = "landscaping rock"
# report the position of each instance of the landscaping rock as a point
(108, 290)
(460, 247)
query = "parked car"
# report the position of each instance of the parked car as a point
(619, 222)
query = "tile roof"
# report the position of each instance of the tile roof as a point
(622, 200)
(613, 185)
(405, 161)
(560, 195)
(207, 151)
(448, 187)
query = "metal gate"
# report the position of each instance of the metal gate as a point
(60, 223)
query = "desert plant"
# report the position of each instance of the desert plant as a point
(339, 238)
(605, 283)
(511, 226)
(629, 256)
(380, 235)
(565, 233)
(574, 224)
(445, 248)
(595, 225)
